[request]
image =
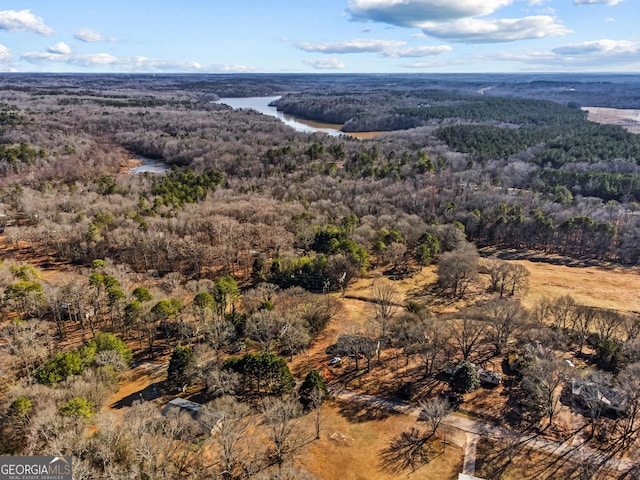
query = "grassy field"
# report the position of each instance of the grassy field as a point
(351, 444)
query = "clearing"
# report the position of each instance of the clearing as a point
(629, 119)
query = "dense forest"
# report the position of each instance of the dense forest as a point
(229, 261)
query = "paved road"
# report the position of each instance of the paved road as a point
(577, 453)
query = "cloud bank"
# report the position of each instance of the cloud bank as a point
(60, 47)
(475, 30)
(596, 54)
(59, 54)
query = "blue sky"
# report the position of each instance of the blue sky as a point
(305, 36)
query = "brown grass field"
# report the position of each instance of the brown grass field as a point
(629, 119)
(349, 449)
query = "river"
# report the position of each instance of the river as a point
(149, 165)
(262, 105)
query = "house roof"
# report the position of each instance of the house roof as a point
(192, 407)
(607, 396)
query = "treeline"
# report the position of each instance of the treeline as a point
(389, 110)
(621, 187)
(576, 236)
(571, 156)
(496, 109)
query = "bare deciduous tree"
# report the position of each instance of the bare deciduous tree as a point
(433, 411)
(508, 278)
(504, 318)
(608, 324)
(541, 383)
(582, 320)
(386, 300)
(593, 394)
(458, 269)
(561, 311)
(316, 399)
(228, 421)
(285, 430)
(422, 336)
(264, 326)
(628, 382)
(293, 336)
(468, 334)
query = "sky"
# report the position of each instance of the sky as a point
(321, 36)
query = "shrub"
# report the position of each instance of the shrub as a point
(103, 342)
(313, 381)
(78, 407)
(59, 368)
(20, 407)
(465, 379)
(181, 367)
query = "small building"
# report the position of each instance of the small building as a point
(489, 376)
(181, 405)
(207, 419)
(610, 399)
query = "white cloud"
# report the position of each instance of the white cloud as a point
(408, 13)
(4, 54)
(227, 68)
(461, 20)
(474, 30)
(425, 51)
(388, 48)
(38, 57)
(60, 47)
(331, 63)
(351, 46)
(598, 53)
(149, 64)
(133, 64)
(94, 59)
(595, 2)
(600, 47)
(89, 35)
(23, 21)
